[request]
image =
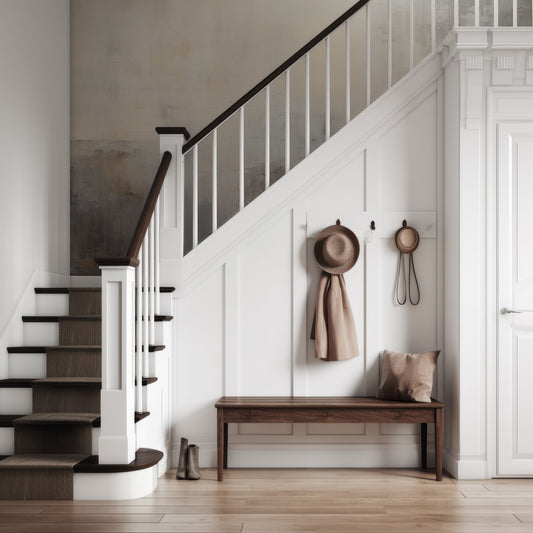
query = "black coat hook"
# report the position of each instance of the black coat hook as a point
(372, 225)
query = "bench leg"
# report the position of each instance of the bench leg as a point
(438, 444)
(424, 444)
(220, 444)
(225, 445)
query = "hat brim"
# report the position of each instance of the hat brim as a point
(400, 243)
(353, 256)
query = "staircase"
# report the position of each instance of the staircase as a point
(59, 437)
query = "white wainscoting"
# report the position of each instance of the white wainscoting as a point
(243, 329)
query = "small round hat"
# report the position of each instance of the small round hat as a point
(406, 239)
(336, 249)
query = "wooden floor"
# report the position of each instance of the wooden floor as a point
(287, 501)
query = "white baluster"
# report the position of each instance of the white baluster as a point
(348, 71)
(181, 206)
(411, 34)
(455, 13)
(287, 121)
(515, 13)
(157, 255)
(496, 13)
(267, 137)
(241, 158)
(151, 288)
(214, 188)
(368, 56)
(307, 106)
(328, 91)
(145, 311)
(433, 26)
(139, 335)
(195, 196)
(476, 13)
(389, 44)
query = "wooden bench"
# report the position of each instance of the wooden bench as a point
(240, 410)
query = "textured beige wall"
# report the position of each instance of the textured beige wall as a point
(138, 64)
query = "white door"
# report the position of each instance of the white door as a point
(515, 299)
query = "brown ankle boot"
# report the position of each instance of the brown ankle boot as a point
(182, 461)
(193, 462)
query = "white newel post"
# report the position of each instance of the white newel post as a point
(172, 197)
(116, 444)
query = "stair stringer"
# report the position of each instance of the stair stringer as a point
(308, 175)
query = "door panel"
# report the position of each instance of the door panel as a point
(515, 299)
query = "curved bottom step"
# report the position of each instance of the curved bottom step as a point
(93, 481)
(78, 477)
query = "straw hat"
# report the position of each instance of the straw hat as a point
(406, 239)
(336, 249)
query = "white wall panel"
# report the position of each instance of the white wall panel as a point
(265, 307)
(408, 156)
(336, 378)
(198, 371)
(408, 328)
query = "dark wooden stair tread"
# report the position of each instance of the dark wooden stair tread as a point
(16, 383)
(69, 382)
(57, 318)
(21, 383)
(54, 419)
(41, 461)
(7, 421)
(144, 458)
(68, 290)
(71, 348)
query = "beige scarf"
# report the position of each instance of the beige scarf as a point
(333, 326)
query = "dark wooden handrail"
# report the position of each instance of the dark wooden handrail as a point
(131, 259)
(271, 77)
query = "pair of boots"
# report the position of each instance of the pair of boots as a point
(188, 463)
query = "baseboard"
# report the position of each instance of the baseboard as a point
(389, 455)
(472, 468)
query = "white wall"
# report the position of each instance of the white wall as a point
(247, 303)
(475, 69)
(34, 148)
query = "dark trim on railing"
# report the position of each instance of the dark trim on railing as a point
(166, 130)
(271, 77)
(130, 258)
(119, 260)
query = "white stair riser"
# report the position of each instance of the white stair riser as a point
(14, 401)
(27, 365)
(41, 333)
(57, 304)
(47, 333)
(7, 441)
(33, 365)
(52, 304)
(166, 303)
(119, 486)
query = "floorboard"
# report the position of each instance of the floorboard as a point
(293, 501)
